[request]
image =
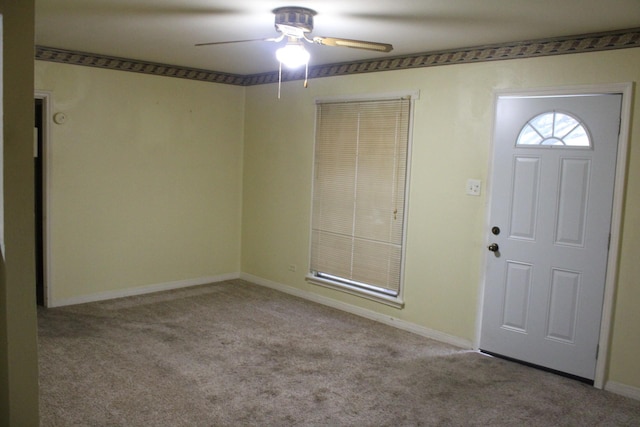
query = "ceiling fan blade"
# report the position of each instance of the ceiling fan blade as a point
(272, 39)
(356, 44)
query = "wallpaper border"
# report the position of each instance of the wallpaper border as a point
(621, 39)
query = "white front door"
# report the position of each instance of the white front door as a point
(554, 165)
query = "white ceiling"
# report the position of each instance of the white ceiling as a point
(165, 31)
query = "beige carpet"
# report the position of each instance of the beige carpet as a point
(236, 354)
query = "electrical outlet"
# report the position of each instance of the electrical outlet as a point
(473, 187)
(292, 268)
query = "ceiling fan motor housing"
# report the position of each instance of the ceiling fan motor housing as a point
(298, 17)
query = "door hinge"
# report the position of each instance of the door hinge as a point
(597, 351)
(619, 124)
(36, 152)
(609, 242)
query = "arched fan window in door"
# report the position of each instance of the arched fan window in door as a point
(554, 129)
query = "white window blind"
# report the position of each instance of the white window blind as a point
(359, 193)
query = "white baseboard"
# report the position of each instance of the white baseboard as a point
(623, 389)
(362, 312)
(612, 386)
(359, 311)
(101, 296)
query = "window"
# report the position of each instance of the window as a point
(554, 129)
(360, 180)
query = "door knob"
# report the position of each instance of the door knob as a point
(493, 247)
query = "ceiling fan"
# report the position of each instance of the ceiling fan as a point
(294, 24)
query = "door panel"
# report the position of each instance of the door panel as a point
(563, 305)
(544, 281)
(524, 197)
(572, 201)
(516, 297)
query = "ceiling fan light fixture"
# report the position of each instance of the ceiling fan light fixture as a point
(293, 54)
(294, 23)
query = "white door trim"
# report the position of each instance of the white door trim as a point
(626, 89)
(46, 97)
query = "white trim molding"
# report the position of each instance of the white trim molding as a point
(611, 279)
(395, 302)
(362, 312)
(141, 290)
(623, 389)
(413, 95)
(310, 296)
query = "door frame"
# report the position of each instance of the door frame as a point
(46, 97)
(626, 90)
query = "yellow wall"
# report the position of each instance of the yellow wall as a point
(145, 182)
(18, 349)
(157, 180)
(446, 228)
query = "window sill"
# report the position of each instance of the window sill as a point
(395, 302)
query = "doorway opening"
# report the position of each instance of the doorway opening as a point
(41, 136)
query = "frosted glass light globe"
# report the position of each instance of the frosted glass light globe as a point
(293, 55)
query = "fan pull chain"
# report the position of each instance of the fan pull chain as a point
(279, 79)
(306, 77)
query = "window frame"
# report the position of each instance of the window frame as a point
(396, 301)
(578, 120)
